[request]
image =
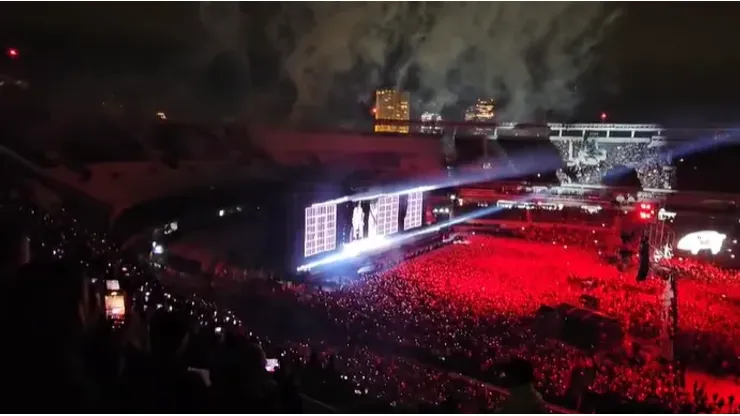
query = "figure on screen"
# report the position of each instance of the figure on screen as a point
(430, 219)
(357, 223)
(372, 226)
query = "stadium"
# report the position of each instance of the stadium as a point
(370, 208)
(511, 249)
(578, 272)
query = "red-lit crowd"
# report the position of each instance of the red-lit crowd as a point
(430, 332)
(171, 353)
(465, 308)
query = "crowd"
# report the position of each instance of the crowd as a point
(589, 162)
(173, 351)
(165, 353)
(435, 331)
(465, 308)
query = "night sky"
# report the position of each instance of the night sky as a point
(670, 62)
(676, 61)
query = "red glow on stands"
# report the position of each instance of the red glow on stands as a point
(374, 111)
(603, 117)
(12, 53)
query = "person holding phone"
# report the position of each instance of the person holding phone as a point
(48, 311)
(241, 381)
(163, 383)
(271, 364)
(115, 303)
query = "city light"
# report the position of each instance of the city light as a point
(646, 212)
(391, 104)
(482, 111)
(432, 119)
(12, 53)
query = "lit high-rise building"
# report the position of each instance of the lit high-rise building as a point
(432, 119)
(391, 104)
(483, 111)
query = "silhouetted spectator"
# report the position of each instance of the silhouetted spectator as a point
(523, 398)
(241, 382)
(48, 314)
(163, 383)
(14, 249)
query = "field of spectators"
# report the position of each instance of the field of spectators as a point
(429, 333)
(468, 307)
(179, 348)
(650, 163)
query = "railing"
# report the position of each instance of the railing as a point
(662, 241)
(313, 406)
(609, 132)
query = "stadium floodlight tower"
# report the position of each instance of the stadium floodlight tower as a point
(656, 248)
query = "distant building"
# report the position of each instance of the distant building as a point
(391, 104)
(433, 119)
(483, 111)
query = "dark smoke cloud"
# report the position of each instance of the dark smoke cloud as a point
(224, 23)
(528, 55)
(332, 55)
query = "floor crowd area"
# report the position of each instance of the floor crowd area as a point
(451, 328)
(468, 307)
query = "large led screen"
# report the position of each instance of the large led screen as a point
(387, 215)
(414, 211)
(321, 229)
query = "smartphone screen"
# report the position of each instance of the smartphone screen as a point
(271, 365)
(115, 306)
(112, 285)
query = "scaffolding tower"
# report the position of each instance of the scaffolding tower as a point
(662, 243)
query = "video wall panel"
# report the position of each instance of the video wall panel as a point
(330, 225)
(414, 211)
(320, 229)
(387, 215)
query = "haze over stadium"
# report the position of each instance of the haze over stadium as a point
(531, 58)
